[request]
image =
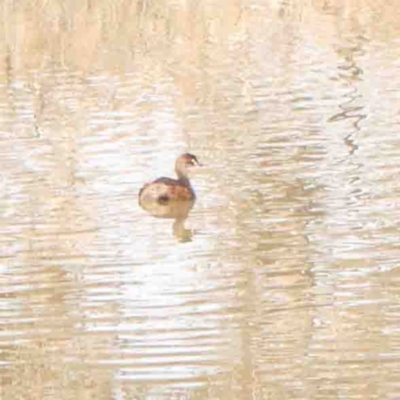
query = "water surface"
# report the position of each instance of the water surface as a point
(282, 282)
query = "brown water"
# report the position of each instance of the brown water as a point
(283, 282)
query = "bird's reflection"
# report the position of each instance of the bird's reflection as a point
(177, 210)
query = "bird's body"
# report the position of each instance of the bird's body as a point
(164, 190)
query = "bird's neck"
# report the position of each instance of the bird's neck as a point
(182, 177)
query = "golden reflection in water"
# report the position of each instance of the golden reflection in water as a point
(290, 290)
(176, 210)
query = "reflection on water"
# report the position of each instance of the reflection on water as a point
(286, 286)
(351, 76)
(176, 210)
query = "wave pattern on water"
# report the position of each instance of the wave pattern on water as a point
(282, 280)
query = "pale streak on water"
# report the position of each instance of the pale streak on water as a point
(283, 282)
